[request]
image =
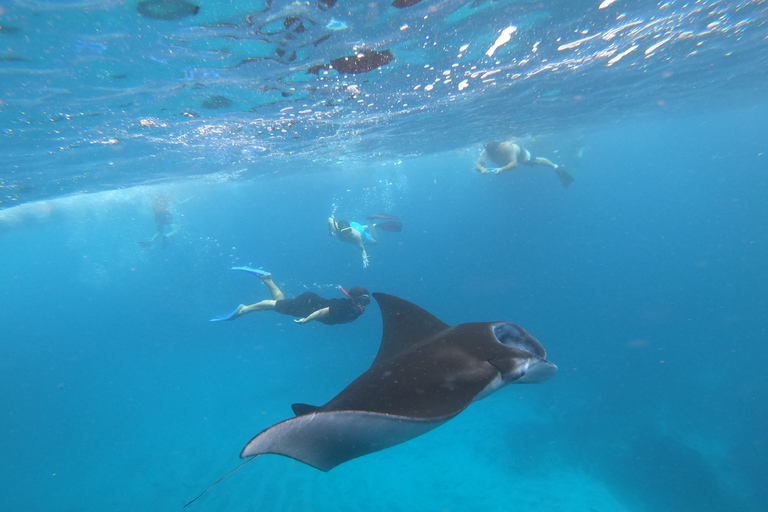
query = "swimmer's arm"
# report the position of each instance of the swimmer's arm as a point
(362, 251)
(511, 165)
(480, 162)
(314, 316)
(176, 200)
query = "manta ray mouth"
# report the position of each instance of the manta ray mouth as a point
(538, 371)
(514, 336)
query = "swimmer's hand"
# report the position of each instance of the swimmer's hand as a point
(300, 320)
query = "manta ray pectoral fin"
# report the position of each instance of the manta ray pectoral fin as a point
(301, 409)
(326, 439)
(404, 325)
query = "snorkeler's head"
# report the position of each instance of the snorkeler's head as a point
(360, 295)
(343, 229)
(492, 146)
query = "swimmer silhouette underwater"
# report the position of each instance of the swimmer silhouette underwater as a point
(307, 307)
(362, 235)
(508, 155)
(165, 225)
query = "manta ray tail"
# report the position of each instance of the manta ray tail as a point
(219, 480)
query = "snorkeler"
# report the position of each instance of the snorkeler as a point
(508, 155)
(308, 306)
(164, 222)
(359, 235)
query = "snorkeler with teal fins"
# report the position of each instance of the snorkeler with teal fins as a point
(362, 235)
(307, 307)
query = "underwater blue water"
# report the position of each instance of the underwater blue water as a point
(645, 280)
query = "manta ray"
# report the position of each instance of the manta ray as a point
(425, 373)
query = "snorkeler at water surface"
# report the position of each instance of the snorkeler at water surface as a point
(508, 155)
(166, 226)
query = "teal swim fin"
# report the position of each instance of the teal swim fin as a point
(230, 316)
(258, 272)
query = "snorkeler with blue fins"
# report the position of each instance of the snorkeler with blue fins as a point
(307, 307)
(362, 235)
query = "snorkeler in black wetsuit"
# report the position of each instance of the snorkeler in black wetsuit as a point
(508, 155)
(308, 306)
(340, 311)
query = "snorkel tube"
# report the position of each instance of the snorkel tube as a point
(353, 299)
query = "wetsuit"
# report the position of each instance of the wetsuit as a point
(341, 311)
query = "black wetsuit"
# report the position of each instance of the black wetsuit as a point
(341, 311)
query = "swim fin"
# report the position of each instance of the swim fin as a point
(565, 178)
(261, 273)
(381, 216)
(392, 226)
(230, 316)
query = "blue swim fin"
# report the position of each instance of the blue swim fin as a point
(230, 316)
(256, 271)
